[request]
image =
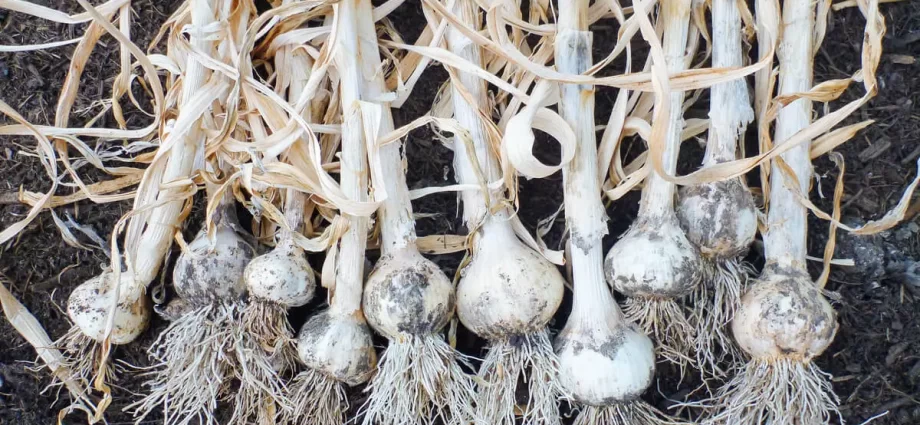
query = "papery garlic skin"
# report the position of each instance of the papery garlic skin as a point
(508, 288)
(407, 294)
(90, 303)
(341, 348)
(281, 276)
(207, 272)
(655, 260)
(720, 218)
(784, 315)
(606, 362)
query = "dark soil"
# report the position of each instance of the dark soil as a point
(874, 359)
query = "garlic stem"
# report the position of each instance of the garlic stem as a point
(295, 200)
(658, 194)
(474, 205)
(353, 173)
(225, 212)
(591, 299)
(293, 216)
(584, 211)
(730, 108)
(358, 63)
(162, 222)
(784, 241)
(397, 222)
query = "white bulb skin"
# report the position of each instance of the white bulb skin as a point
(282, 276)
(602, 362)
(89, 304)
(407, 294)
(205, 273)
(784, 316)
(507, 289)
(341, 347)
(655, 260)
(720, 218)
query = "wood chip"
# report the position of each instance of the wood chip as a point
(902, 59)
(874, 150)
(894, 353)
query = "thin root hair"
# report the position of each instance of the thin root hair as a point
(82, 358)
(193, 366)
(262, 394)
(715, 303)
(635, 412)
(778, 392)
(420, 381)
(267, 326)
(665, 321)
(265, 354)
(526, 360)
(317, 400)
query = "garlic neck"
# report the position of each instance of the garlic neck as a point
(468, 115)
(584, 210)
(657, 199)
(730, 108)
(395, 214)
(397, 227)
(591, 296)
(784, 242)
(495, 231)
(130, 290)
(658, 194)
(359, 65)
(293, 216)
(225, 212)
(350, 57)
(585, 215)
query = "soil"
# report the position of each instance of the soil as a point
(874, 359)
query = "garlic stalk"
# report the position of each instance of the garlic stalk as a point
(276, 281)
(605, 362)
(407, 298)
(90, 304)
(784, 321)
(282, 278)
(654, 264)
(336, 345)
(206, 346)
(194, 364)
(508, 292)
(720, 218)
